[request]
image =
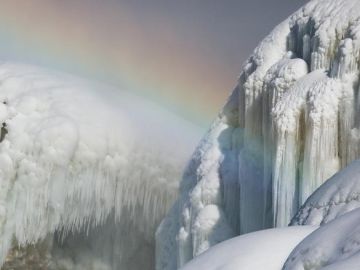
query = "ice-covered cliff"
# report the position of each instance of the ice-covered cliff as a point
(334, 245)
(291, 122)
(82, 159)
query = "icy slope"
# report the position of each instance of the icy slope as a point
(72, 153)
(291, 123)
(337, 196)
(252, 251)
(334, 206)
(334, 246)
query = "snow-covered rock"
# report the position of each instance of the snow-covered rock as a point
(74, 153)
(291, 123)
(334, 246)
(334, 206)
(266, 249)
(337, 196)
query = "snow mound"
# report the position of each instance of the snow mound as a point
(72, 153)
(291, 122)
(337, 196)
(334, 246)
(252, 251)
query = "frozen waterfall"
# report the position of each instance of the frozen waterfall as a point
(74, 160)
(291, 122)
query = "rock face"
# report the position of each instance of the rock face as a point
(290, 124)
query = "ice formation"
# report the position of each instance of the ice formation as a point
(74, 154)
(252, 251)
(291, 122)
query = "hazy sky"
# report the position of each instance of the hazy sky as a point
(183, 54)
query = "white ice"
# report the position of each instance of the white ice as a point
(74, 153)
(291, 122)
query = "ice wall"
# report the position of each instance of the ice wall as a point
(291, 122)
(74, 153)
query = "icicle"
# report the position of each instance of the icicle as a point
(306, 53)
(298, 123)
(344, 62)
(321, 147)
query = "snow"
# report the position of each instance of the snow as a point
(337, 196)
(334, 206)
(334, 246)
(291, 122)
(252, 251)
(76, 153)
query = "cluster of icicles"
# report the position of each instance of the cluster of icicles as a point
(290, 124)
(73, 159)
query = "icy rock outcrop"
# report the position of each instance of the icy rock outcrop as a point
(334, 246)
(337, 196)
(291, 123)
(74, 153)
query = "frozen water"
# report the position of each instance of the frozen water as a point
(73, 153)
(291, 122)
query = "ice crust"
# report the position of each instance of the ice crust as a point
(291, 122)
(75, 153)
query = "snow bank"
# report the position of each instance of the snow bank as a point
(337, 196)
(266, 249)
(334, 246)
(72, 153)
(291, 123)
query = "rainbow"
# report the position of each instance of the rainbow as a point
(110, 42)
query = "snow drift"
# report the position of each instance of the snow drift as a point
(334, 206)
(291, 122)
(336, 197)
(252, 251)
(334, 246)
(74, 154)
